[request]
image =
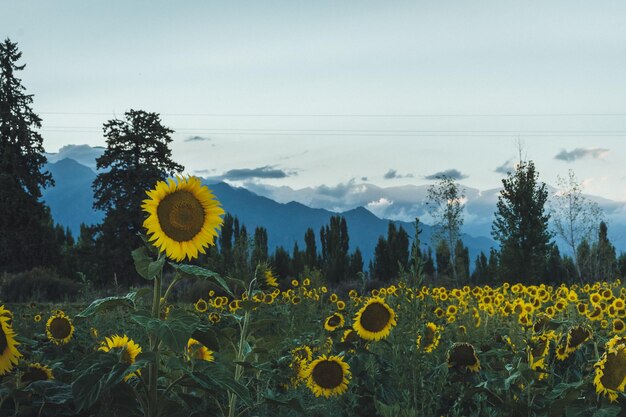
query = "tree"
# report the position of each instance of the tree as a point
(392, 254)
(573, 215)
(606, 257)
(27, 238)
(136, 157)
(260, 248)
(310, 251)
(462, 260)
(356, 264)
(442, 256)
(335, 244)
(521, 224)
(445, 202)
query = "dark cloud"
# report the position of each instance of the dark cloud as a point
(393, 174)
(262, 172)
(363, 178)
(455, 174)
(578, 153)
(506, 167)
(198, 139)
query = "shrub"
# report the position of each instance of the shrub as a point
(41, 284)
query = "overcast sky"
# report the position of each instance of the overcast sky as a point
(310, 93)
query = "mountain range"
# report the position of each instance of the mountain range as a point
(287, 212)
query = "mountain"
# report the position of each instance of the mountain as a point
(71, 198)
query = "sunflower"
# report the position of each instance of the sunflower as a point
(183, 217)
(538, 354)
(270, 280)
(36, 372)
(576, 336)
(201, 305)
(610, 375)
(196, 350)
(463, 356)
(128, 349)
(302, 353)
(327, 376)
(334, 321)
(374, 320)
(37, 318)
(9, 356)
(430, 340)
(59, 328)
(341, 305)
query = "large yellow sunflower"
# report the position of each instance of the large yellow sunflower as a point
(538, 350)
(374, 320)
(59, 328)
(196, 350)
(9, 356)
(36, 372)
(430, 340)
(610, 375)
(463, 356)
(184, 217)
(126, 347)
(576, 336)
(327, 376)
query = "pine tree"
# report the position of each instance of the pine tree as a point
(137, 156)
(310, 250)
(27, 238)
(521, 224)
(442, 255)
(260, 247)
(356, 264)
(335, 244)
(606, 256)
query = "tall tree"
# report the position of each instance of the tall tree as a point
(260, 248)
(136, 157)
(445, 202)
(310, 250)
(521, 223)
(606, 255)
(574, 216)
(335, 244)
(27, 238)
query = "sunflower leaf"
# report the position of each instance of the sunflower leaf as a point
(194, 271)
(142, 260)
(174, 332)
(108, 303)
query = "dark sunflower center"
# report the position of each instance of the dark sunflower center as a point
(463, 355)
(578, 336)
(3, 340)
(619, 326)
(539, 350)
(429, 337)
(60, 328)
(181, 216)
(614, 370)
(34, 374)
(328, 374)
(375, 317)
(125, 355)
(334, 320)
(351, 337)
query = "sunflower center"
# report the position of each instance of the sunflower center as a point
(60, 328)
(181, 215)
(463, 355)
(334, 320)
(578, 336)
(125, 355)
(34, 374)
(3, 340)
(614, 370)
(328, 374)
(429, 336)
(375, 317)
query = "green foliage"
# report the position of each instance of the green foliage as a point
(38, 284)
(137, 156)
(521, 224)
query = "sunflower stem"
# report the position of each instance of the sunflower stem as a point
(153, 369)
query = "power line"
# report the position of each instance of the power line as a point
(357, 115)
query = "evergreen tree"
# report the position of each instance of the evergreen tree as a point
(137, 156)
(442, 255)
(356, 264)
(555, 270)
(481, 268)
(297, 260)
(335, 243)
(521, 224)
(381, 264)
(281, 263)
(27, 238)
(586, 263)
(429, 264)
(621, 265)
(493, 265)
(462, 262)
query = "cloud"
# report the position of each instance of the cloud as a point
(268, 172)
(579, 153)
(338, 191)
(455, 174)
(393, 174)
(378, 207)
(506, 167)
(198, 139)
(83, 154)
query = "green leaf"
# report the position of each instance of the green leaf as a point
(292, 404)
(53, 391)
(207, 337)
(142, 260)
(193, 271)
(221, 380)
(108, 303)
(174, 332)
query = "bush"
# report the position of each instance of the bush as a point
(40, 284)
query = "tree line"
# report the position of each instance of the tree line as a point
(138, 155)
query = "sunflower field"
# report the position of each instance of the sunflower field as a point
(258, 346)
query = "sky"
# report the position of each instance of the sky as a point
(305, 94)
